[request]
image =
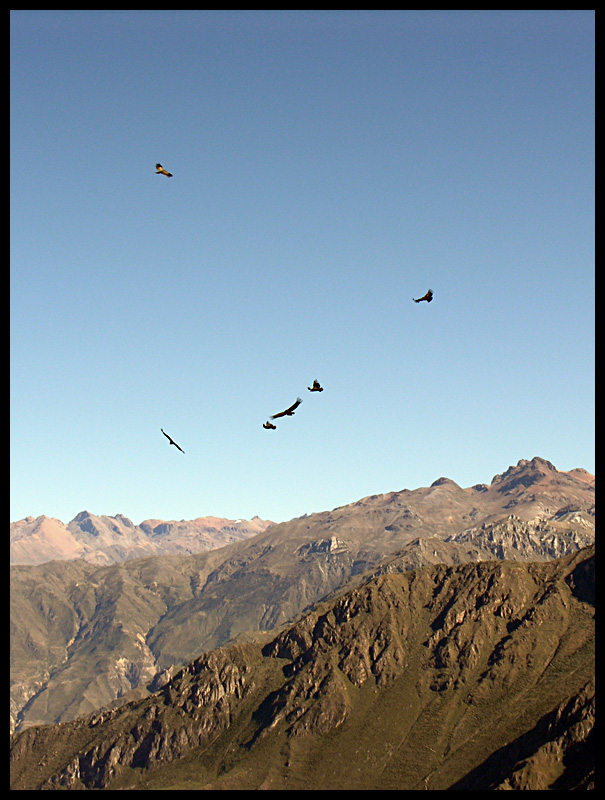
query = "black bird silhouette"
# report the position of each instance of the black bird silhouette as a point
(269, 426)
(316, 387)
(289, 411)
(159, 170)
(171, 440)
(428, 297)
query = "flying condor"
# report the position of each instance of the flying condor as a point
(428, 297)
(289, 411)
(316, 387)
(159, 170)
(269, 426)
(171, 440)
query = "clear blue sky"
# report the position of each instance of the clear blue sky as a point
(328, 167)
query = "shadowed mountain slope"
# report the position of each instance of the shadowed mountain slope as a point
(478, 676)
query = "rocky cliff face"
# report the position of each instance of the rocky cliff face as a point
(477, 676)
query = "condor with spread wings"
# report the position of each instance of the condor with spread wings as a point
(159, 170)
(171, 440)
(269, 426)
(316, 387)
(289, 411)
(428, 297)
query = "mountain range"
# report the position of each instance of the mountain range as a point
(474, 676)
(85, 636)
(109, 540)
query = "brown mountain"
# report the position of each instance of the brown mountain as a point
(109, 540)
(84, 636)
(478, 676)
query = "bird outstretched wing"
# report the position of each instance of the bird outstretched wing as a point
(428, 297)
(159, 170)
(171, 440)
(289, 411)
(269, 426)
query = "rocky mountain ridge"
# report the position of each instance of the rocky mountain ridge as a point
(109, 540)
(478, 676)
(83, 636)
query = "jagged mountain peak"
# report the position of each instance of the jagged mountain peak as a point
(81, 516)
(535, 467)
(537, 463)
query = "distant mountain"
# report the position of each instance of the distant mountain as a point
(84, 636)
(478, 676)
(109, 540)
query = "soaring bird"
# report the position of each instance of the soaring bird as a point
(316, 387)
(428, 297)
(171, 440)
(289, 411)
(159, 170)
(269, 426)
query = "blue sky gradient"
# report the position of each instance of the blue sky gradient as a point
(328, 167)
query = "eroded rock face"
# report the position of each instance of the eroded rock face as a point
(486, 620)
(201, 700)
